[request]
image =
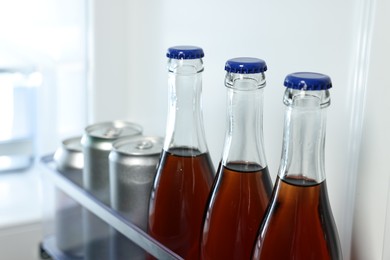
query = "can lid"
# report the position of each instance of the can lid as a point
(113, 130)
(73, 144)
(245, 65)
(308, 81)
(185, 52)
(139, 145)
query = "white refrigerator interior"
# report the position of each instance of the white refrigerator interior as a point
(44, 41)
(347, 40)
(102, 60)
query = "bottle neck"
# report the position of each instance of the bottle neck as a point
(244, 131)
(304, 135)
(185, 121)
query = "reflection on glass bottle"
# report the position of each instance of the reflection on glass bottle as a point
(185, 171)
(243, 186)
(299, 223)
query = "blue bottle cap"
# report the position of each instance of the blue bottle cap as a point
(185, 52)
(245, 65)
(308, 81)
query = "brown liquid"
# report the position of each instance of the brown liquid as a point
(298, 224)
(179, 194)
(240, 196)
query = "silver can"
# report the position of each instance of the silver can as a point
(69, 161)
(69, 157)
(97, 143)
(133, 164)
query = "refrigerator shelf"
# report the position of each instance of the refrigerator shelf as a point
(67, 183)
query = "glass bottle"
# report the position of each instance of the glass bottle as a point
(185, 171)
(243, 186)
(299, 223)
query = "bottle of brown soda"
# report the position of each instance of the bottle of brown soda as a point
(299, 223)
(242, 187)
(185, 171)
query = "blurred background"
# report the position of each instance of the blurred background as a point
(67, 64)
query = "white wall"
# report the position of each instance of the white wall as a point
(374, 174)
(331, 37)
(107, 49)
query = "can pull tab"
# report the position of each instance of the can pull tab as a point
(144, 145)
(112, 132)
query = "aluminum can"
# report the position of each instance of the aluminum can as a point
(69, 161)
(97, 143)
(133, 164)
(69, 156)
